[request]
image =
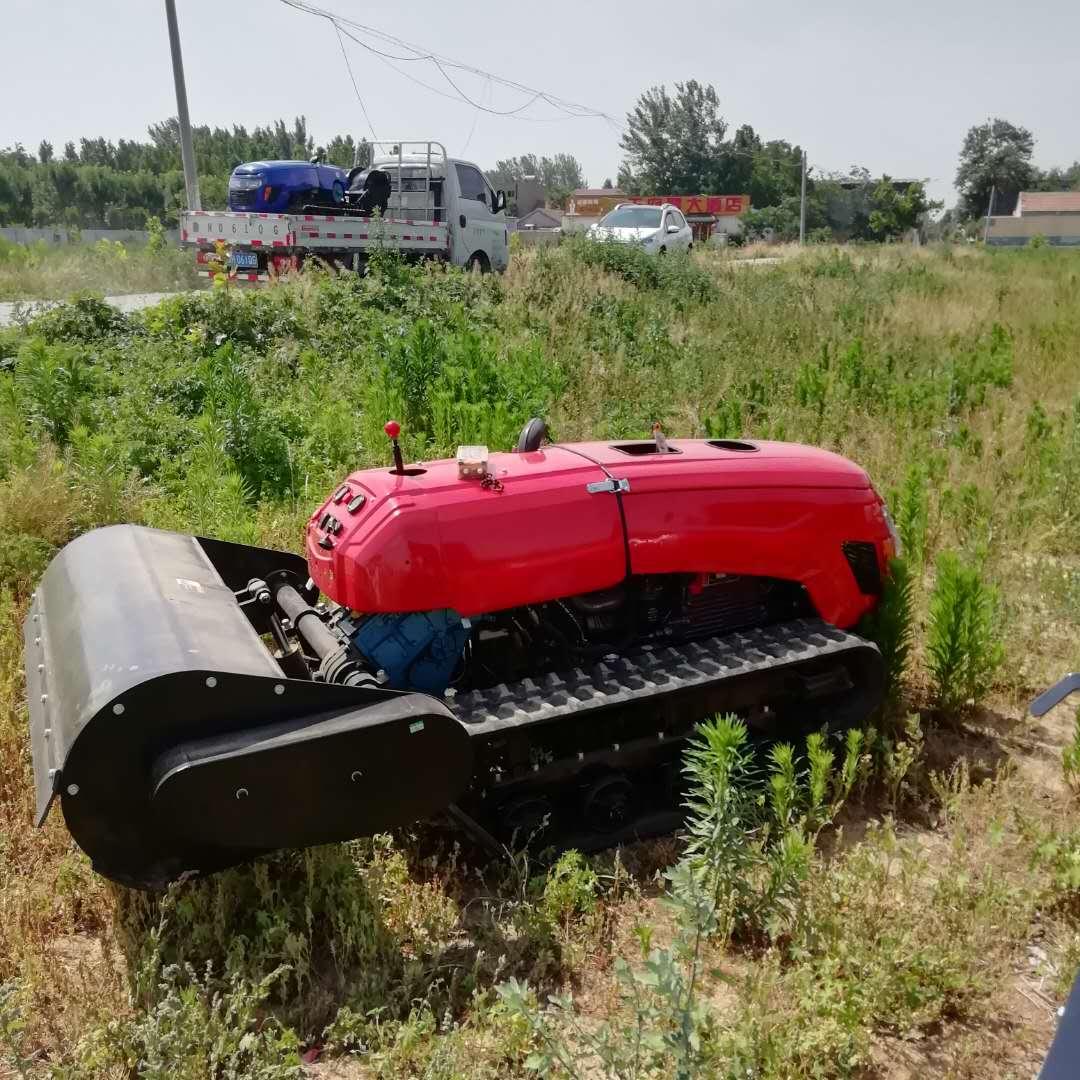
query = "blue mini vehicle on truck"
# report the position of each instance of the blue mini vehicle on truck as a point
(278, 187)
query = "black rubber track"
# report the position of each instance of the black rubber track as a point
(547, 741)
(651, 673)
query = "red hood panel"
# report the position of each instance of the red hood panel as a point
(434, 541)
(698, 461)
(431, 540)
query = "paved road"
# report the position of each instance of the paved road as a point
(128, 302)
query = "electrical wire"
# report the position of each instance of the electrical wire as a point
(464, 97)
(475, 120)
(453, 97)
(515, 113)
(363, 107)
(565, 108)
(459, 94)
(568, 109)
(472, 132)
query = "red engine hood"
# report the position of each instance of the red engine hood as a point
(430, 540)
(697, 461)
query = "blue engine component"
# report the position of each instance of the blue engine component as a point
(276, 187)
(417, 650)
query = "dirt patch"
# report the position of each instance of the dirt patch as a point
(339, 1069)
(73, 951)
(1011, 1046)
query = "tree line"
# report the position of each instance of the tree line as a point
(676, 142)
(679, 143)
(103, 184)
(560, 176)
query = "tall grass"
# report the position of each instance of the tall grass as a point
(40, 272)
(950, 376)
(964, 649)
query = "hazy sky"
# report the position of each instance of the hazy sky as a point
(892, 86)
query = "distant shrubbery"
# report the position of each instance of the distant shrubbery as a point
(684, 280)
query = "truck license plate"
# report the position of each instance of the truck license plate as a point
(245, 260)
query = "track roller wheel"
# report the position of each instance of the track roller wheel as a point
(608, 802)
(526, 817)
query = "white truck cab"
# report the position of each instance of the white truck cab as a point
(439, 207)
(430, 186)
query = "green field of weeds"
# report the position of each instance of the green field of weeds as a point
(898, 902)
(40, 272)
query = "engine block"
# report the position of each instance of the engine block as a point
(417, 650)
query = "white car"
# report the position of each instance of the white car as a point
(657, 229)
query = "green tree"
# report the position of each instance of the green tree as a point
(845, 201)
(17, 155)
(995, 156)
(560, 176)
(782, 220)
(775, 173)
(678, 144)
(340, 151)
(673, 143)
(16, 194)
(1059, 179)
(896, 212)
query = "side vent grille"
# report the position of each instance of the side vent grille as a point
(862, 558)
(734, 603)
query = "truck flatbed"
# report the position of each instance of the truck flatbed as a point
(277, 237)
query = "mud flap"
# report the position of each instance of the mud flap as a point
(152, 698)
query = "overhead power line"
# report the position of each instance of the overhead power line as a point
(410, 53)
(357, 32)
(352, 78)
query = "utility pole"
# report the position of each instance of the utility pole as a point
(187, 151)
(989, 211)
(802, 204)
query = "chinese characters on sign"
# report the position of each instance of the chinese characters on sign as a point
(698, 204)
(692, 205)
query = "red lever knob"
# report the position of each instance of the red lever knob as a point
(392, 428)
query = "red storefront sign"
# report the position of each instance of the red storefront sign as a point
(715, 205)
